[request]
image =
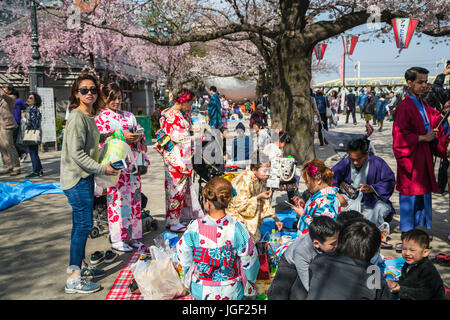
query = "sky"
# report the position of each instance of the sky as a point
(379, 59)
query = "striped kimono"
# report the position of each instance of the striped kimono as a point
(219, 259)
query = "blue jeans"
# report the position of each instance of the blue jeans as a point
(35, 160)
(333, 111)
(81, 198)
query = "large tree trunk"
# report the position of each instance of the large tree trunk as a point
(263, 84)
(290, 96)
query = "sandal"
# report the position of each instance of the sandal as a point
(178, 228)
(121, 246)
(385, 245)
(137, 244)
(441, 259)
(399, 247)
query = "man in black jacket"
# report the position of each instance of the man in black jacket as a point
(419, 279)
(348, 274)
(351, 106)
(370, 105)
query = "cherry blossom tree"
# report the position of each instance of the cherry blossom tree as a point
(284, 33)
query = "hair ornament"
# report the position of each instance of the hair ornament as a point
(311, 170)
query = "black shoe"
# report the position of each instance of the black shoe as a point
(41, 173)
(110, 256)
(97, 257)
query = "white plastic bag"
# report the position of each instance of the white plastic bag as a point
(157, 279)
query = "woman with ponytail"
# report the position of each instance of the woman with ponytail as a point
(216, 251)
(325, 199)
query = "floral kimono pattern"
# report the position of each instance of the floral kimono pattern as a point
(124, 199)
(178, 163)
(219, 259)
(245, 207)
(323, 203)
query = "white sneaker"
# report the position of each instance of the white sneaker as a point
(121, 246)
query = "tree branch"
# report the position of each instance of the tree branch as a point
(197, 36)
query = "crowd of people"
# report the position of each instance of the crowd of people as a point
(339, 214)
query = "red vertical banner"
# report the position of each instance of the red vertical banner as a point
(341, 69)
(353, 41)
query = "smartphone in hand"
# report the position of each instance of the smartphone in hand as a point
(119, 164)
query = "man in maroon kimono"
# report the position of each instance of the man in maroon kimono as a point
(416, 138)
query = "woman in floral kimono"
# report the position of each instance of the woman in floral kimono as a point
(217, 254)
(124, 199)
(252, 203)
(325, 199)
(177, 154)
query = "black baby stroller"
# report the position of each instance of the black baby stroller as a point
(100, 217)
(205, 165)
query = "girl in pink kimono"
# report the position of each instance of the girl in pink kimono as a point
(177, 154)
(124, 199)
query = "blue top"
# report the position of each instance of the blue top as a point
(361, 99)
(19, 106)
(322, 104)
(215, 111)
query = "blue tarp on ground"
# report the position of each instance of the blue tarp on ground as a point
(288, 217)
(12, 193)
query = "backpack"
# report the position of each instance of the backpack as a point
(370, 106)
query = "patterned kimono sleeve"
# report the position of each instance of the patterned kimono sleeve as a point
(248, 254)
(267, 209)
(103, 124)
(185, 247)
(243, 202)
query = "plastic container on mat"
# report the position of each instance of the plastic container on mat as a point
(274, 239)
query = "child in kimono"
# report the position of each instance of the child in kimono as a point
(325, 199)
(217, 254)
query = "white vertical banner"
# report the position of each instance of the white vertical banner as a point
(48, 123)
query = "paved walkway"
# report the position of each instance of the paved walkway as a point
(35, 234)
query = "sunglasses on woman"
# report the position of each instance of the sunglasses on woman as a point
(85, 91)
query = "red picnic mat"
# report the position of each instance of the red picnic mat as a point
(119, 289)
